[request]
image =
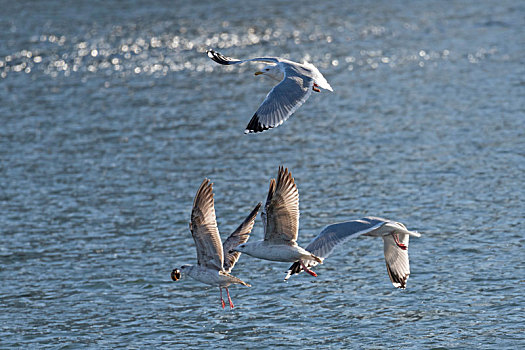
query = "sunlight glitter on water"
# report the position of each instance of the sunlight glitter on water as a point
(173, 53)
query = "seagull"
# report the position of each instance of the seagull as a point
(297, 81)
(281, 224)
(213, 267)
(395, 238)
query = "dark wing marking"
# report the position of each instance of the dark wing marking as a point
(239, 236)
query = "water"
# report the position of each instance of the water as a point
(112, 115)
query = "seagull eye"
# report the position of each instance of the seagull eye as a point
(267, 69)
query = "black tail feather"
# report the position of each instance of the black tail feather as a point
(294, 269)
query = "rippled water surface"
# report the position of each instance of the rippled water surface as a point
(111, 116)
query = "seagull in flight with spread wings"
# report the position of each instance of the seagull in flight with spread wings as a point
(297, 81)
(281, 226)
(395, 243)
(214, 260)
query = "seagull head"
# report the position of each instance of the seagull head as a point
(271, 71)
(176, 274)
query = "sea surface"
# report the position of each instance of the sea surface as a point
(111, 115)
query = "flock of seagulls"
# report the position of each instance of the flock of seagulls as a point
(280, 215)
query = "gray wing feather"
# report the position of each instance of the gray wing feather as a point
(239, 236)
(203, 227)
(282, 101)
(333, 235)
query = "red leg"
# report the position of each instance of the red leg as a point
(316, 88)
(306, 269)
(229, 299)
(399, 244)
(222, 301)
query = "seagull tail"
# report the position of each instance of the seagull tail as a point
(318, 259)
(237, 280)
(244, 283)
(293, 270)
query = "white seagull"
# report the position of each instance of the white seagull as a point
(281, 224)
(395, 238)
(297, 81)
(213, 267)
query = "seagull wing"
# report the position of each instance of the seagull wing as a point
(332, 236)
(239, 236)
(221, 59)
(203, 227)
(282, 101)
(281, 211)
(396, 258)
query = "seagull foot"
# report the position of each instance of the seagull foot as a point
(222, 301)
(229, 299)
(307, 270)
(399, 244)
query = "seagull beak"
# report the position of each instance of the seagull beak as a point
(258, 73)
(175, 275)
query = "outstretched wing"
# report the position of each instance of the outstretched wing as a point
(281, 211)
(396, 259)
(221, 59)
(203, 227)
(239, 236)
(282, 101)
(332, 236)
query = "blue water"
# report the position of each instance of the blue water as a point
(111, 116)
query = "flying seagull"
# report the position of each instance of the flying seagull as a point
(395, 239)
(297, 81)
(281, 225)
(213, 266)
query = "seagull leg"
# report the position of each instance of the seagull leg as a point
(222, 301)
(316, 88)
(229, 299)
(306, 269)
(399, 244)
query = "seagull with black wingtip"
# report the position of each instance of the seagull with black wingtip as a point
(395, 244)
(296, 83)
